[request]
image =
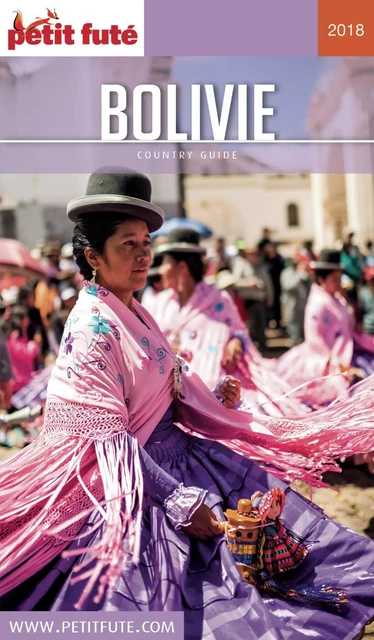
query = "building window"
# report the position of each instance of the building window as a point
(293, 215)
(8, 224)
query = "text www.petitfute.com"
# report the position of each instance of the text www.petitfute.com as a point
(93, 626)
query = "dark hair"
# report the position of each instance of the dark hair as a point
(91, 232)
(194, 263)
(324, 273)
(24, 292)
(13, 322)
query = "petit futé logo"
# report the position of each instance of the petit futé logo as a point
(49, 31)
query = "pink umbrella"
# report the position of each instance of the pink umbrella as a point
(9, 281)
(15, 259)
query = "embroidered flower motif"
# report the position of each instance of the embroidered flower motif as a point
(213, 348)
(154, 359)
(99, 325)
(68, 348)
(219, 306)
(193, 334)
(228, 322)
(92, 290)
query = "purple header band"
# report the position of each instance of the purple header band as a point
(235, 28)
(189, 159)
(87, 625)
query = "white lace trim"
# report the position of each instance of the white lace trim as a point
(74, 420)
(182, 504)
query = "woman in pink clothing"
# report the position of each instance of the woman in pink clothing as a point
(24, 353)
(203, 324)
(332, 347)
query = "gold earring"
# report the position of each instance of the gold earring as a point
(93, 279)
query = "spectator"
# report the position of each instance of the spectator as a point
(369, 254)
(307, 251)
(6, 374)
(366, 299)
(51, 258)
(348, 236)
(352, 267)
(255, 288)
(69, 297)
(266, 238)
(296, 283)
(223, 262)
(225, 281)
(24, 353)
(67, 262)
(47, 300)
(275, 264)
(27, 298)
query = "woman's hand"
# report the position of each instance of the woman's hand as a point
(232, 354)
(204, 524)
(230, 391)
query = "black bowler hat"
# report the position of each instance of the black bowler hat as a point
(328, 259)
(155, 266)
(182, 240)
(111, 189)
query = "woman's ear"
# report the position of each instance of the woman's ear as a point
(92, 258)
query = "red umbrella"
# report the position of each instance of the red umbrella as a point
(9, 281)
(16, 259)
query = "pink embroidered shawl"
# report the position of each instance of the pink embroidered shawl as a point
(328, 347)
(114, 375)
(203, 327)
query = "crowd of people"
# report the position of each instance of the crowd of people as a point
(163, 422)
(268, 291)
(32, 319)
(271, 291)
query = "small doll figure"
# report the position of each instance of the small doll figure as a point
(262, 547)
(242, 537)
(279, 549)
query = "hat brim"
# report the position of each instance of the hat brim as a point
(226, 283)
(325, 265)
(179, 247)
(141, 209)
(234, 516)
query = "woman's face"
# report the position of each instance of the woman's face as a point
(169, 272)
(275, 510)
(127, 257)
(332, 284)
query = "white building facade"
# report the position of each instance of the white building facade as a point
(342, 108)
(240, 206)
(33, 206)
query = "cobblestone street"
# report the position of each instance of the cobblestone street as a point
(353, 506)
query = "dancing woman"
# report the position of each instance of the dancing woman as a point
(115, 507)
